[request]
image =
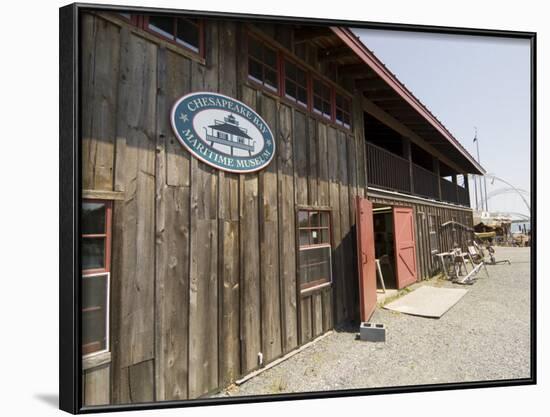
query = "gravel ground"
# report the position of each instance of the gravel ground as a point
(485, 336)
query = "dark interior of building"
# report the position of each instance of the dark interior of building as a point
(384, 247)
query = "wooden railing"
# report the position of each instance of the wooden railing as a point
(387, 170)
(463, 196)
(390, 171)
(425, 182)
(454, 193)
(448, 191)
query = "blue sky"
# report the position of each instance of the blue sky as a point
(469, 81)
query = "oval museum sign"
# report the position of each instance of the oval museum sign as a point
(223, 132)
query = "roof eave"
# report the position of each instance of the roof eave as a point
(376, 65)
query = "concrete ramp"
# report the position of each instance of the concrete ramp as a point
(427, 301)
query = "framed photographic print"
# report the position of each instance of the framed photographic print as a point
(257, 208)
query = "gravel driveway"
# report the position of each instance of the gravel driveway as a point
(486, 336)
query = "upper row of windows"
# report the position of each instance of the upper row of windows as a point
(185, 32)
(267, 66)
(280, 74)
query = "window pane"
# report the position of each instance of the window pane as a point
(316, 237)
(302, 95)
(255, 49)
(326, 108)
(301, 78)
(255, 70)
(93, 218)
(325, 236)
(325, 218)
(270, 57)
(314, 220)
(93, 253)
(317, 104)
(290, 89)
(163, 25)
(303, 217)
(304, 238)
(94, 313)
(187, 33)
(270, 78)
(290, 71)
(339, 115)
(314, 265)
(317, 88)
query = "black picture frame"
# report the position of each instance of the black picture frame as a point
(70, 366)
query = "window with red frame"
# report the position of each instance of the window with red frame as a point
(322, 99)
(262, 63)
(314, 236)
(343, 111)
(180, 30)
(95, 260)
(295, 83)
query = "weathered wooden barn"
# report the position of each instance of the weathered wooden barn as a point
(193, 276)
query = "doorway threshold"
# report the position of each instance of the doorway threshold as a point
(382, 296)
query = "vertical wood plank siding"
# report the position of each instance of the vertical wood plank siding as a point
(204, 262)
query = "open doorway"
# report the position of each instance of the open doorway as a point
(384, 245)
(384, 233)
(394, 245)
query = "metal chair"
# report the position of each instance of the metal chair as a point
(476, 258)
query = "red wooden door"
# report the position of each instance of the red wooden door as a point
(405, 246)
(365, 258)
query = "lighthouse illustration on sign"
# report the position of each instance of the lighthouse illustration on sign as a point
(229, 133)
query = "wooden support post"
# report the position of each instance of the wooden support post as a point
(455, 183)
(408, 156)
(438, 175)
(467, 187)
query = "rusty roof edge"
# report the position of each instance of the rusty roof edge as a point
(353, 42)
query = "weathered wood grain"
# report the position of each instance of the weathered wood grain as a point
(100, 69)
(251, 338)
(359, 133)
(96, 388)
(161, 255)
(140, 386)
(269, 248)
(317, 314)
(172, 260)
(287, 242)
(328, 313)
(334, 197)
(136, 341)
(203, 299)
(323, 196)
(203, 291)
(178, 83)
(306, 331)
(346, 246)
(300, 158)
(228, 225)
(117, 269)
(203, 288)
(312, 150)
(351, 259)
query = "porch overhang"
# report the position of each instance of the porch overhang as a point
(373, 79)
